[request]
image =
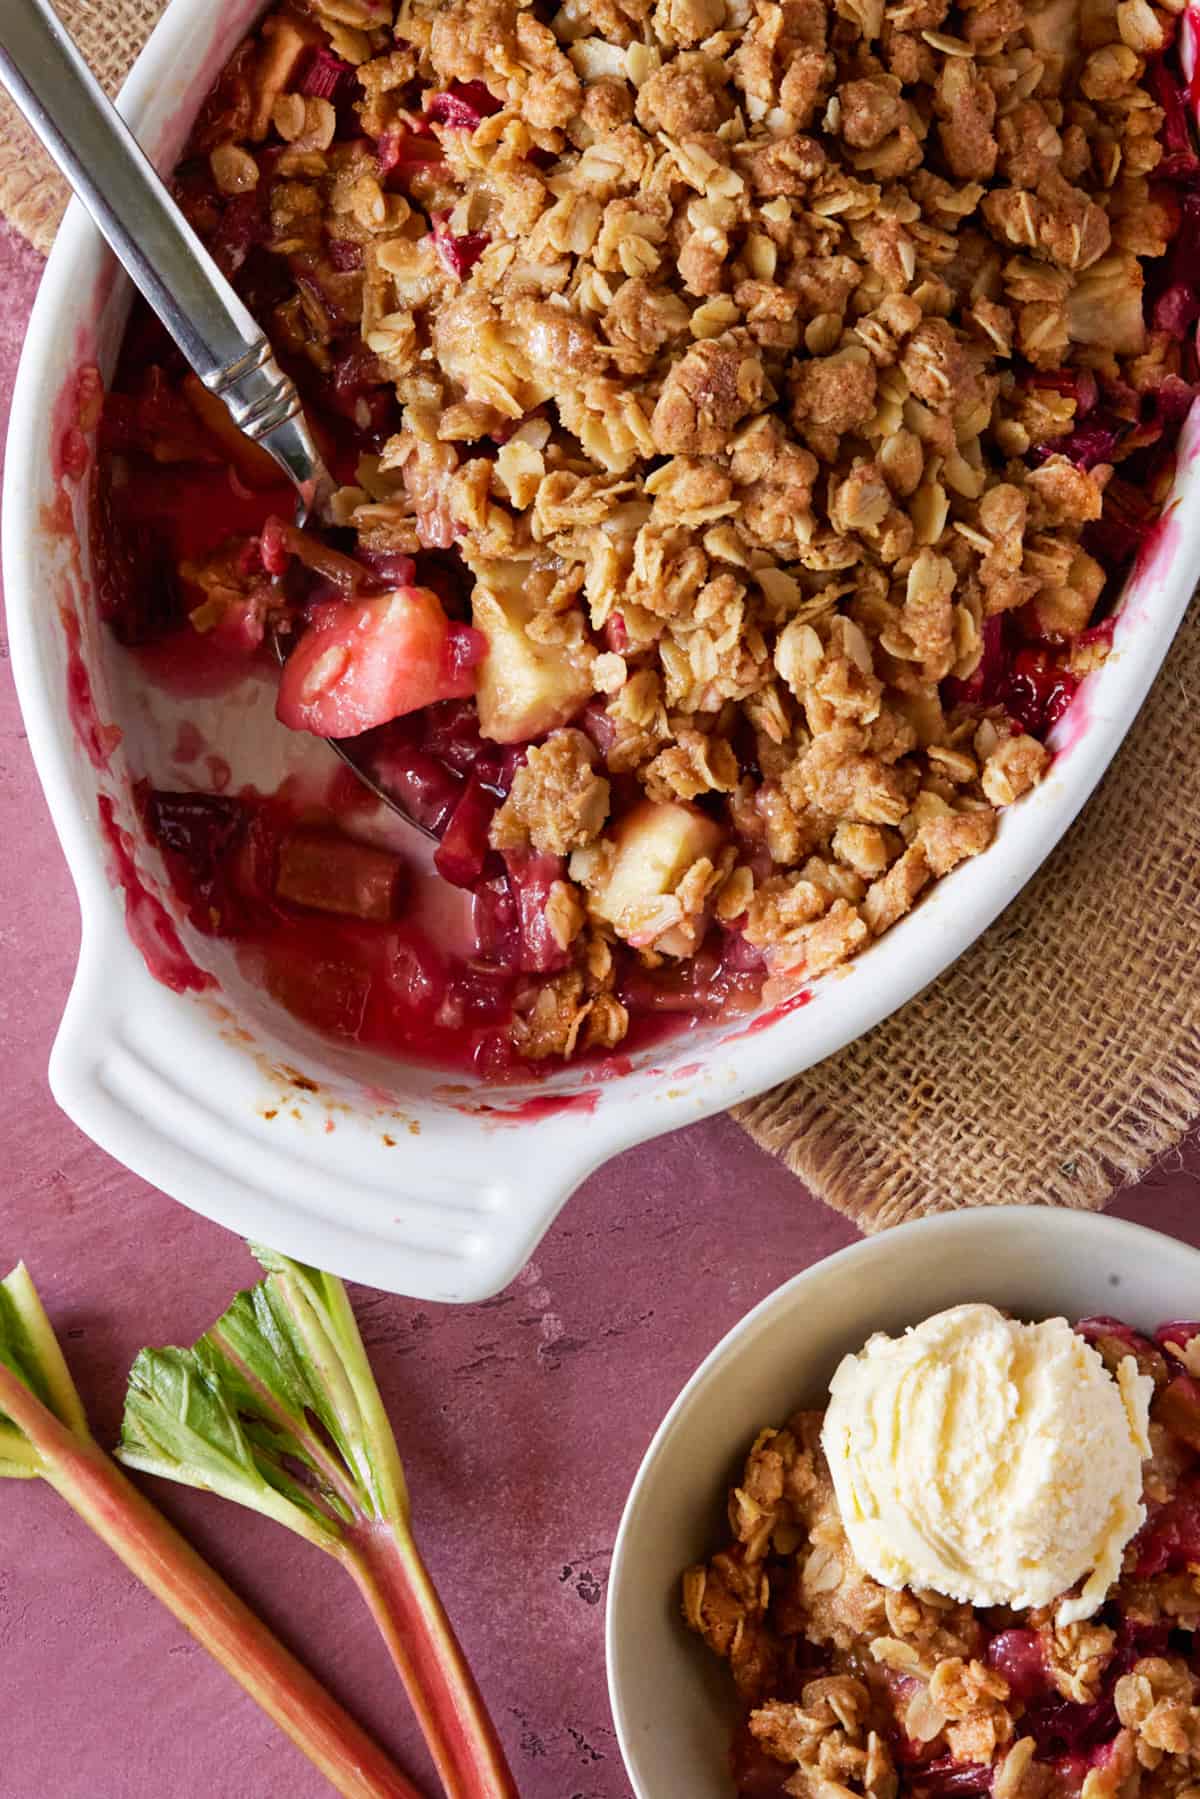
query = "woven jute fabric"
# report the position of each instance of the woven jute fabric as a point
(1060, 1056)
(33, 195)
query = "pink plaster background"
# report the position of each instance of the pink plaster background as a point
(521, 1421)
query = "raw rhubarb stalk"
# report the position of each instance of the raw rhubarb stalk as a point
(276, 1407)
(44, 1433)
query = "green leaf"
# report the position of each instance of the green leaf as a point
(275, 1407)
(30, 1350)
(182, 1424)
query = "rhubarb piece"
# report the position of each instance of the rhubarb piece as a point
(1091, 443)
(400, 149)
(138, 593)
(1169, 1541)
(365, 662)
(326, 992)
(360, 394)
(530, 877)
(451, 733)
(948, 1779)
(251, 462)
(495, 923)
(276, 1407)
(458, 255)
(219, 854)
(330, 873)
(420, 784)
(1124, 526)
(460, 856)
(345, 255)
(1179, 161)
(983, 687)
(462, 105)
(44, 1433)
(280, 542)
(1066, 1727)
(1037, 691)
(1020, 1657)
(1180, 1343)
(328, 77)
(525, 688)
(417, 976)
(388, 568)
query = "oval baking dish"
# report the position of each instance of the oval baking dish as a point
(390, 1173)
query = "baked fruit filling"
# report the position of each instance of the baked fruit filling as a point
(849, 1688)
(745, 414)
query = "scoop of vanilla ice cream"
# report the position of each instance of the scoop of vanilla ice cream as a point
(995, 1462)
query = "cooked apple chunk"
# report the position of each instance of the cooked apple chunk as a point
(525, 688)
(640, 878)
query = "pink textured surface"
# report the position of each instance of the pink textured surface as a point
(522, 1420)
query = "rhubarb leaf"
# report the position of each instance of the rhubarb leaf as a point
(181, 1423)
(275, 1407)
(29, 1349)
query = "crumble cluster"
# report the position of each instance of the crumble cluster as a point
(719, 328)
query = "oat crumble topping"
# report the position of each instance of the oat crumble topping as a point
(766, 368)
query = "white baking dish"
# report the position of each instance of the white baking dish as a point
(673, 1702)
(371, 1169)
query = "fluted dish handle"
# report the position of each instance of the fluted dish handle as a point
(59, 96)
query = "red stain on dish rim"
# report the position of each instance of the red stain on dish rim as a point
(76, 411)
(765, 1019)
(150, 926)
(1191, 27)
(530, 1110)
(98, 739)
(1161, 543)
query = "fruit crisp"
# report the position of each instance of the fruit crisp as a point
(846, 1688)
(745, 413)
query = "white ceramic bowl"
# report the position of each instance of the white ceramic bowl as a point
(671, 1698)
(434, 1192)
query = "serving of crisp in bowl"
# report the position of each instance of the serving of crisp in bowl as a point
(762, 436)
(965, 1657)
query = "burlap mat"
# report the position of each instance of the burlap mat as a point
(33, 196)
(1061, 1055)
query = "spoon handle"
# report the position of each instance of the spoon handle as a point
(96, 151)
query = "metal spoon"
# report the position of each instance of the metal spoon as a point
(96, 151)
